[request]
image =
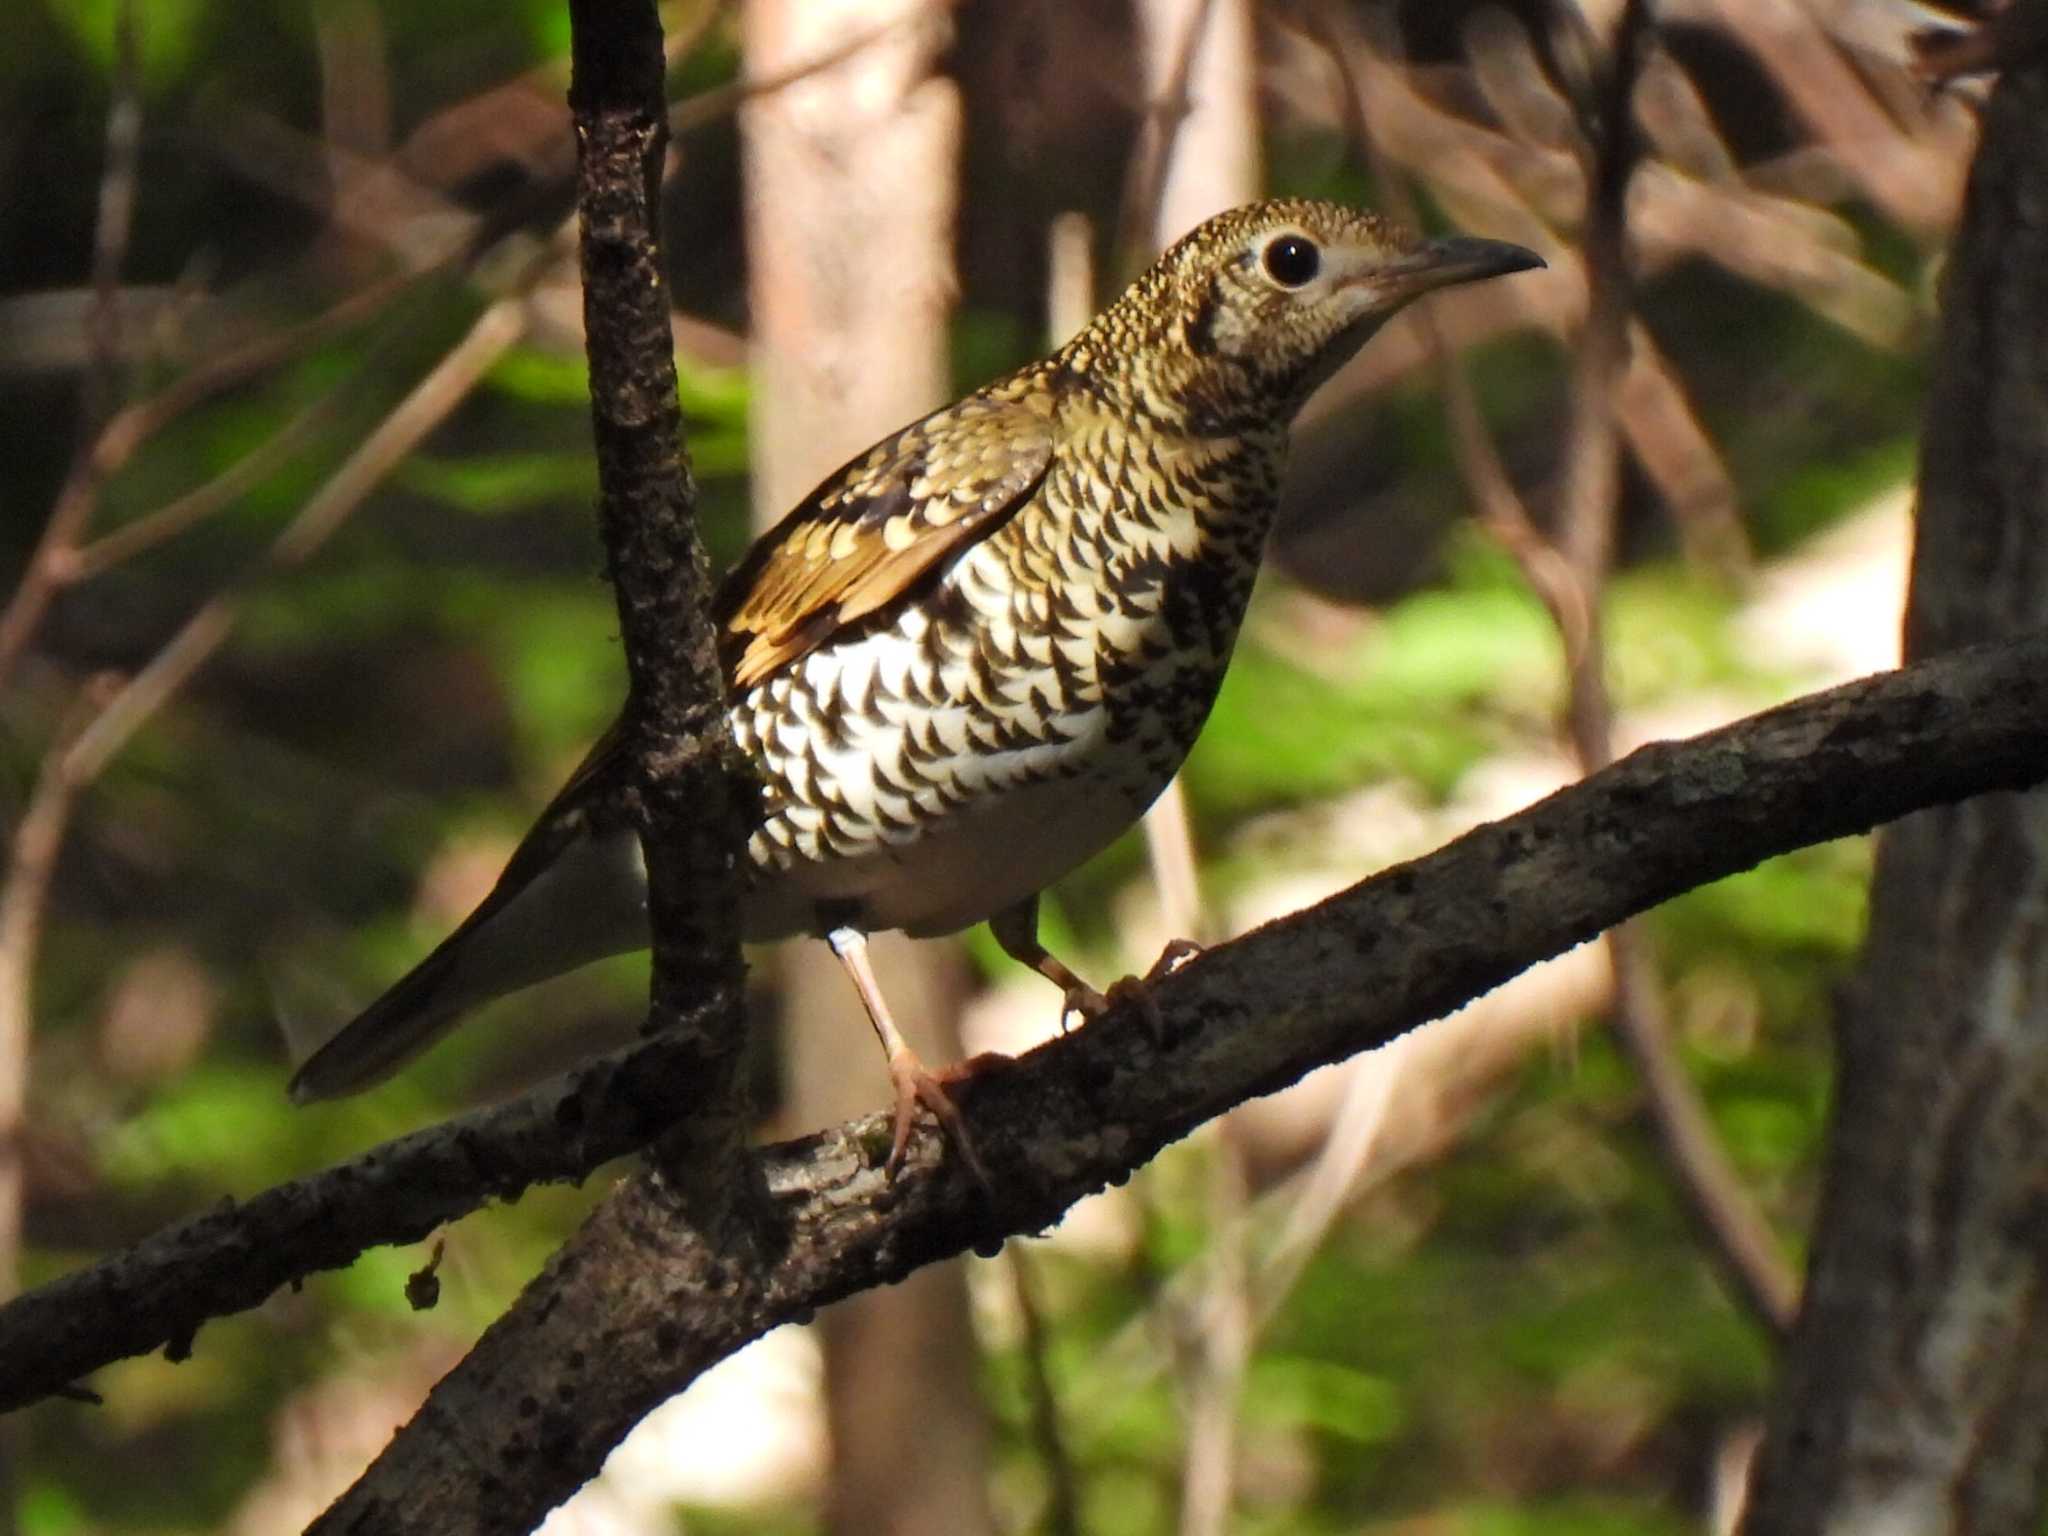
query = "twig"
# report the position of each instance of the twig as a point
(133, 425)
(75, 498)
(183, 513)
(33, 850)
(1567, 578)
(1215, 1340)
(1332, 1180)
(1914, 180)
(693, 112)
(1247, 1017)
(1736, 1233)
(1164, 113)
(1063, 1485)
(446, 386)
(31, 860)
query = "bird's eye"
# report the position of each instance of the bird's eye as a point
(1293, 260)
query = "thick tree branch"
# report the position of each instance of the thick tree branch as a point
(1249, 1016)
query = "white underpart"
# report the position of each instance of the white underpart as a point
(998, 822)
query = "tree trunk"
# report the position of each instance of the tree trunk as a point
(1916, 1395)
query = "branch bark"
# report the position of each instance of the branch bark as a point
(1247, 1017)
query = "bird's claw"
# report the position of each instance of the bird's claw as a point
(1133, 991)
(915, 1085)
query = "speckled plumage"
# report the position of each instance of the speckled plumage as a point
(977, 652)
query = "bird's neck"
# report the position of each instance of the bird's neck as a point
(1163, 488)
(1145, 367)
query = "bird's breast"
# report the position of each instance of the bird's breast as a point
(1006, 723)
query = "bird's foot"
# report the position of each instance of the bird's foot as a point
(1134, 991)
(916, 1085)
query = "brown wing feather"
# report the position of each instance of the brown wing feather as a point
(854, 545)
(864, 537)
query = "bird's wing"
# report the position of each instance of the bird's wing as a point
(857, 543)
(864, 537)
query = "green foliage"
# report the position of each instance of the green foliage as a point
(168, 38)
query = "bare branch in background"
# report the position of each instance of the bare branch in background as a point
(39, 836)
(446, 386)
(694, 112)
(183, 513)
(75, 500)
(1165, 109)
(1063, 1483)
(1212, 1347)
(1568, 576)
(1590, 499)
(1914, 181)
(133, 425)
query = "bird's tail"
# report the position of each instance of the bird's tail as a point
(587, 901)
(399, 1025)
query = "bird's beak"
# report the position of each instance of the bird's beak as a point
(1460, 259)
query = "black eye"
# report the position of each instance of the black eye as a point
(1293, 260)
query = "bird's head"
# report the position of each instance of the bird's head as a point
(1243, 317)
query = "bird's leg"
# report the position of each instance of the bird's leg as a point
(913, 1084)
(1016, 929)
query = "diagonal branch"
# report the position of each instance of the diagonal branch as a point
(1246, 1018)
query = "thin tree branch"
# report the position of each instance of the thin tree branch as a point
(188, 510)
(1568, 576)
(1138, 219)
(1063, 1484)
(446, 386)
(693, 112)
(1212, 1341)
(79, 491)
(1737, 1235)
(1247, 1017)
(133, 425)
(39, 837)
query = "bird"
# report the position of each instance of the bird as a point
(974, 654)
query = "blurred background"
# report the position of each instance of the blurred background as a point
(302, 619)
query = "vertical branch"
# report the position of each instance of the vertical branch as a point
(1214, 1346)
(1590, 493)
(1063, 1483)
(630, 1298)
(1568, 573)
(37, 839)
(1166, 107)
(1589, 504)
(80, 490)
(678, 743)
